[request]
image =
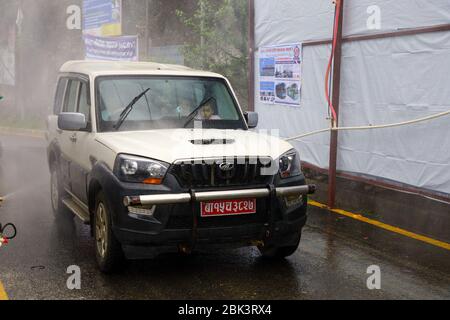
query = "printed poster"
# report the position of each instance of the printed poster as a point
(280, 74)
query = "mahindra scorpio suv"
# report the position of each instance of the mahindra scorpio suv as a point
(155, 156)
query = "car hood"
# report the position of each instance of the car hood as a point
(178, 144)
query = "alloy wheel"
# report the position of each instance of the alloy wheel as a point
(100, 230)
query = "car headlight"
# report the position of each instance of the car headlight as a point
(140, 170)
(289, 164)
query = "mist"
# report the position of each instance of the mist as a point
(38, 36)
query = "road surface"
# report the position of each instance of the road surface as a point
(331, 262)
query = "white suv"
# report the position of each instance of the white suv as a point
(155, 156)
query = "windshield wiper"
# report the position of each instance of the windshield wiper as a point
(128, 109)
(192, 115)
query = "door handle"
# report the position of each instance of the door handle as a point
(73, 138)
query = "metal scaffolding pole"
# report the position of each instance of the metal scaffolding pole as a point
(251, 55)
(335, 100)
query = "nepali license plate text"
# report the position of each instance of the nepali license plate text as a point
(228, 207)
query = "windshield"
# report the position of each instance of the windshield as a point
(168, 104)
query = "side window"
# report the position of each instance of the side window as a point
(70, 103)
(83, 106)
(59, 96)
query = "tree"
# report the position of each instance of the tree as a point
(220, 28)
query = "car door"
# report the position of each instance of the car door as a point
(80, 159)
(66, 138)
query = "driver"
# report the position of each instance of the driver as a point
(207, 112)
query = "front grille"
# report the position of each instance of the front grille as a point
(222, 172)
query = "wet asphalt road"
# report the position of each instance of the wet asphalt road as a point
(331, 263)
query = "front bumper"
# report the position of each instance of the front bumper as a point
(152, 200)
(175, 218)
(273, 227)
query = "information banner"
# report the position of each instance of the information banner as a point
(112, 49)
(280, 74)
(102, 17)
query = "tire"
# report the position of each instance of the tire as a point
(57, 194)
(108, 250)
(277, 253)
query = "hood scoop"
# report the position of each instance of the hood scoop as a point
(212, 141)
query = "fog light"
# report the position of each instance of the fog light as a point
(141, 211)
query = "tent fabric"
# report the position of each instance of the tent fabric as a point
(383, 81)
(290, 21)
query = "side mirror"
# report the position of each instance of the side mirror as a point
(69, 121)
(252, 119)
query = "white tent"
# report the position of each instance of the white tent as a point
(385, 80)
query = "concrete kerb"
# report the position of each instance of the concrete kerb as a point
(23, 132)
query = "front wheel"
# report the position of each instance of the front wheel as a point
(58, 193)
(280, 252)
(108, 249)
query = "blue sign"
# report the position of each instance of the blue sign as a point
(102, 17)
(111, 48)
(97, 13)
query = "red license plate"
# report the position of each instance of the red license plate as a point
(228, 207)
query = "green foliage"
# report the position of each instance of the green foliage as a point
(220, 29)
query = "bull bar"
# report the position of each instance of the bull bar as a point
(166, 199)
